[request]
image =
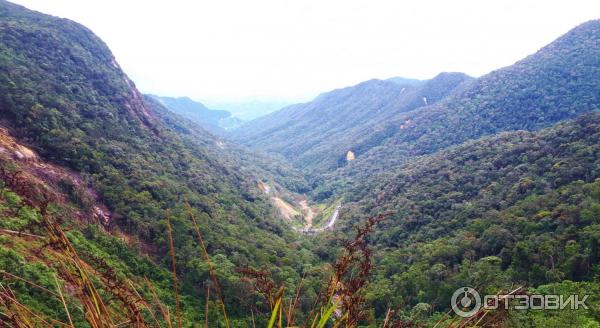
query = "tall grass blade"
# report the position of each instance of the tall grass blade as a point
(161, 308)
(274, 314)
(325, 317)
(62, 298)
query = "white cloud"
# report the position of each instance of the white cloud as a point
(230, 49)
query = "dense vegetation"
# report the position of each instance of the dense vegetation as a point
(63, 95)
(513, 209)
(317, 135)
(384, 127)
(127, 208)
(517, 209)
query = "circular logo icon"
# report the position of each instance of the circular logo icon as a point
(466, 302)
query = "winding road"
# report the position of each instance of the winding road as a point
(288, 212)
(330, 223)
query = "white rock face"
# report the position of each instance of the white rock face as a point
(101, 216)
(350, 156)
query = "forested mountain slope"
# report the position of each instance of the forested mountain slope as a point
(63, 96)
(317, 135)
(101, 187)
(558, 82)
(383, 126)
(514, 209)
(254, 165)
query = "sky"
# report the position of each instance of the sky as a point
(292, 50)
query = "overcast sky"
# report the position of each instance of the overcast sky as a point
(233, 50)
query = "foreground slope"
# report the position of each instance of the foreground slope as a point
(317, 135)
(63, 96)
(52, 241)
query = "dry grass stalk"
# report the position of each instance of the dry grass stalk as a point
(20, 315)
(387, 318)
(174, 271)
(161, 308)
(211, 268)
(29, 283)
(206, 305)
(144, 303)
(75, 270)
(294, 303)
(352, 271)
(262, 283)
(62, 298)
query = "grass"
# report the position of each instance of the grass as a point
(90, 289)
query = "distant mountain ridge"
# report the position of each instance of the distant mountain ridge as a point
(317, 135)
(558, 82)
(402, 81)
(216, 121)
(383, 126)
(248, 109)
